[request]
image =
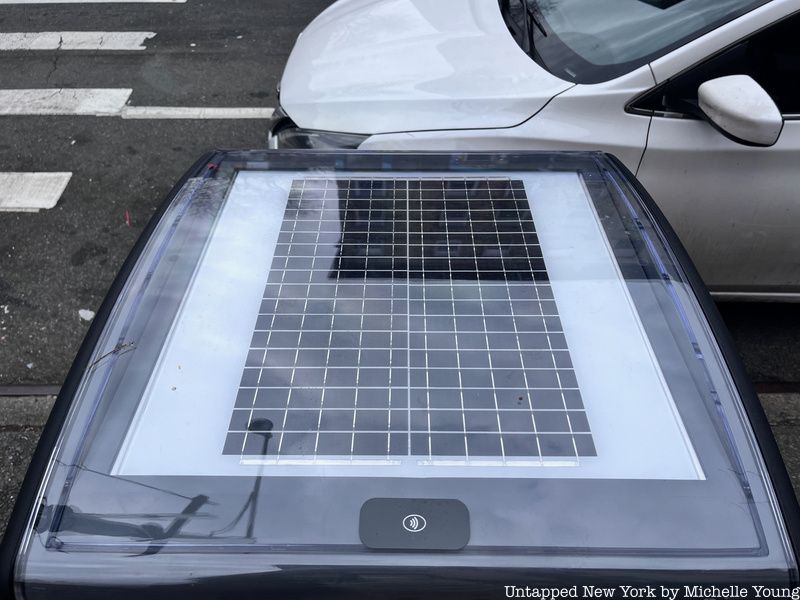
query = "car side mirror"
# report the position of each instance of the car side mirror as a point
(741, 109)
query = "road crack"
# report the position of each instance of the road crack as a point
(56, 56)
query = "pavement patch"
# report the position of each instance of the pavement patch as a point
(783, 414)
(21, 422)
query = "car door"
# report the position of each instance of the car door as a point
(735, 207)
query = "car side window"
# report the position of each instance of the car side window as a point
(771, 57)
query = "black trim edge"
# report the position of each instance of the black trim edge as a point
(23, 504)
(776, 468)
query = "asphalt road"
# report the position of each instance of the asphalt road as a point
(57, 262)
(205, 54)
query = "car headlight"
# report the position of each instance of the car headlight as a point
(284, 133)
(293, 137)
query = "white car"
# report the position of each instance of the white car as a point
(623, 76)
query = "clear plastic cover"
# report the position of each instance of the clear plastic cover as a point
(305, 332)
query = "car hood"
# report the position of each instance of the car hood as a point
(380, 66)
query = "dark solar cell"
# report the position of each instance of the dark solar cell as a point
(408, 318)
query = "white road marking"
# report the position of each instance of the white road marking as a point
(88, 1)
(195, 112)
(31, 192)
(75, 40)
(111, 102)
(98, 102)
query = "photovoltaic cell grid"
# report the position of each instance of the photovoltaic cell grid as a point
(408, 318)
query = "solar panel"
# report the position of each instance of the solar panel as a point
(408, 318)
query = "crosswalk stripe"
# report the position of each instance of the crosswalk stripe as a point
(64, 101)
(195, 112)
(31, 192)
(75, 40)
(111, 102)
(90, 1)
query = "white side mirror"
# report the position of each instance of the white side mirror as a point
(741, 109)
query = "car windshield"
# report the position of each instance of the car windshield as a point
(588, 41)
